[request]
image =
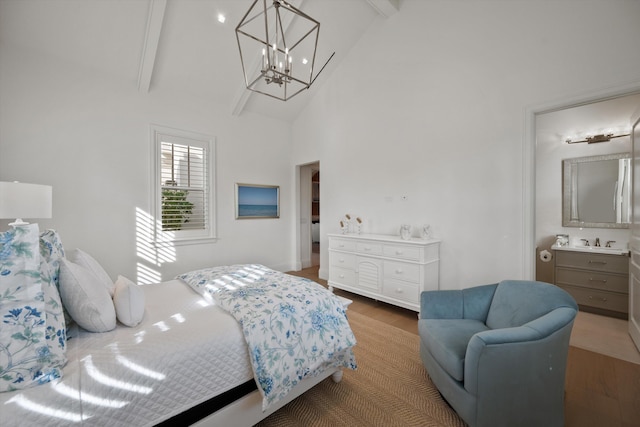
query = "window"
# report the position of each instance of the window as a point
(182, 185)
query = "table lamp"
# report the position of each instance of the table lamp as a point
(19, 200)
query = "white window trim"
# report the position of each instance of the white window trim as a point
(183, 237)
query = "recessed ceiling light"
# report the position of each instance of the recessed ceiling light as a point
(304, 60)
(221, 18)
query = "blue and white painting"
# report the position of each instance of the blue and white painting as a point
(257, 201)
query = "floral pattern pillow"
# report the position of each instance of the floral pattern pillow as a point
(51, 252)
(25, 356)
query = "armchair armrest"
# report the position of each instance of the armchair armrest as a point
(441, 304)
(511, 352)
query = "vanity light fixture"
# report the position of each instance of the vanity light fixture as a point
(278, 45)
(603, 137)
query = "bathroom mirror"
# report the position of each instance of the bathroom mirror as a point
(596, 191)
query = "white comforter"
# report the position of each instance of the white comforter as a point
(184, 352)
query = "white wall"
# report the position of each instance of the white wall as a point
(87, 134)
(431, 105)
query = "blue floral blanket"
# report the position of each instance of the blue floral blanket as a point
(294, 327)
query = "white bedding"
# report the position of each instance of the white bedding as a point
(101, 387)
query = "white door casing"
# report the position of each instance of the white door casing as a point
(634, 242)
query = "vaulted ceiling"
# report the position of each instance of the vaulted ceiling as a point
(177, 45)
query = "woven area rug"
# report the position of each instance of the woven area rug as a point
(390, 387)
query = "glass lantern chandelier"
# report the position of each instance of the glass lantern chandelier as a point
(278, 44)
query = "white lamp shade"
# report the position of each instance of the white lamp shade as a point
(19, 200)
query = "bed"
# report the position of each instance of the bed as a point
(187, 362)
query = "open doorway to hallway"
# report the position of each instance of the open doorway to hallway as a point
(315, 215)
(309, 235)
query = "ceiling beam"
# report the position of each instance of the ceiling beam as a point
(151, 41)
(385, 8)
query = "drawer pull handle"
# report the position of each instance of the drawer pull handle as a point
(341, 245)
(601, 299)
(342, 276)
(591, 279)
(398, 271)
(341, 260)
(399, 252)
(399, 291)
(598, 262)
(367, 248)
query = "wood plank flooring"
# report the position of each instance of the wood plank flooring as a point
(600, 391)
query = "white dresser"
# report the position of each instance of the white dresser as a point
(384, 267)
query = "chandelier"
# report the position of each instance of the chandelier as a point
(278, 44)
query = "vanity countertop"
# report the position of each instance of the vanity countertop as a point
(592, 249)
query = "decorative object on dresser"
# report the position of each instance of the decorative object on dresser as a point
(384, 267)
(405, 232)
(598, 281)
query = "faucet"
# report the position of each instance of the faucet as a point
(609, 242)
(597, 242)
(586, 242)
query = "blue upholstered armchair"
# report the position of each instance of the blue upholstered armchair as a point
(498, 353)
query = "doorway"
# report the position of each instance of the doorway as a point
(548, 128)
(315, 216)
(309, 208)
(552, 129)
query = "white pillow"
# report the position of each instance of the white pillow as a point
(85, 260)
(85, 298)
(128, 300)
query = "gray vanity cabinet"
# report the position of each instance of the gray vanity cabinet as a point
(598, 282)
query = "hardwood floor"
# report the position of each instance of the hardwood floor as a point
(599, 391)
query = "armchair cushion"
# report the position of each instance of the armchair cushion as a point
(447, 340)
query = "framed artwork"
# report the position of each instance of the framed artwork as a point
(257, 201)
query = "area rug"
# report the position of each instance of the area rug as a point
(390, 387)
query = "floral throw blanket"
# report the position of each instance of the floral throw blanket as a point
(294, 327)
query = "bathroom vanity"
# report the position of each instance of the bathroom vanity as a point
(384, 267)
(598, 278)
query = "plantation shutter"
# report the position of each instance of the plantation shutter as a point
(183, 175)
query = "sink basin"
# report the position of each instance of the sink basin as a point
(592, 249)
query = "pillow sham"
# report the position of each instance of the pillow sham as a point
(51, 252)
(85, 260)
(128, 300)
(86, 298)
(25, 359)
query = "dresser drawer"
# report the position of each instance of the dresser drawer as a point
(600, 262)
(401, 290)
(593, 280)
(343, 260)
(402, 271)
(599, 299)
(369, 248)
(342, 245)
(344, 276)
(402, 252)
